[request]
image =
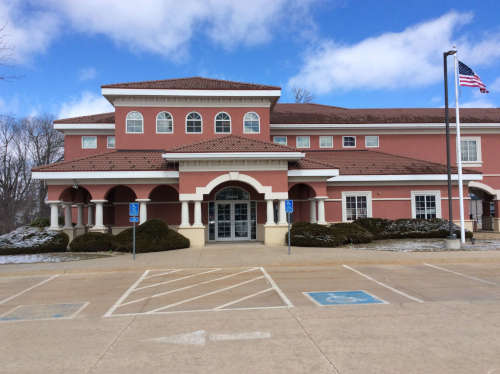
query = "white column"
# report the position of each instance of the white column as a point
(312, 211)
(79, 216)
(321, 211)
(99, 220)
(270, 212)
(197, 214)
(67, 216)
(90, 218)
(282, 213)
(143, 210)
(185, 214)
(54, 214)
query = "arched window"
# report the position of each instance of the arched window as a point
(135, 122)
(232, 193)
(222, 123)
(251, 123)
(193, 123)
(164, 123)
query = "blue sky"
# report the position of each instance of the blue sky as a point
(349, 53)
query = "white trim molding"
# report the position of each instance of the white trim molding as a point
(313, 173)
(403, 177)
(84, 126)
(367, 194)
(234, 155)
(47, 175)
(435, 193)
(486, 188)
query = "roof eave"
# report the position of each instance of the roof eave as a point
(234, 155)
(403, 177)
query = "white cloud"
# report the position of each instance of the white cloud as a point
(495, 86)
(87, 74)
(87, 103)
(479, 100)
(410, 58)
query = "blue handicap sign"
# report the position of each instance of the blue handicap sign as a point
(133, 209)
(289, 206)
(133, 219)
(343, 297)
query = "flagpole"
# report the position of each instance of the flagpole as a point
(459, 157)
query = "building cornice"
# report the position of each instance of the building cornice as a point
(404, 177)
(93, 175)
(234, 155)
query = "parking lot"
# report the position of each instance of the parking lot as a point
(393, 318)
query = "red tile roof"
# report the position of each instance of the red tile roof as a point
(119, 160)
(231, 143)
(192, 83)
(316, 114)
(363, 162)
(94, 118)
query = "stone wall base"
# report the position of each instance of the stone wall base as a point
(468, 223)
(274, 235)
(196, 235)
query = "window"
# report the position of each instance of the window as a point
(193, 123)
(251, 123)
(426, 204)
(357, 204)
(303, 142)
(222, 123)
(326, 141)
(471, 149)
(110, 142)
(134, 122)
(349, 141)
(232, 193)
(371, 141)
(280, 140)
(164, 123)
(89, 142)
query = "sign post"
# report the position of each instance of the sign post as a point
(289, 211)
(133, 212)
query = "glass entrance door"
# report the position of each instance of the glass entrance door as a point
(232, 221)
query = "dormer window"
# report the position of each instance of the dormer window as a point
(164, 123)
(135, 123)
(251, 123)
(222, 123)
(193, 123)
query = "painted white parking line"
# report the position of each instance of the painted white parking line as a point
(28, 289)
(126, 294)
(164, 273)
(462, 274)
(385, 285)
(242, 299)
(278, 290)
(175, 280)
(204, 295)
(187, 287)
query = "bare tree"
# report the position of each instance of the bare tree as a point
(302, 95)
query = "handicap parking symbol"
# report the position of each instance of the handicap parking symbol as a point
(343, 298)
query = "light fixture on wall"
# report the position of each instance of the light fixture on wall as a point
(75, 184)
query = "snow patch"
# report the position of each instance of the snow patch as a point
(26, 237)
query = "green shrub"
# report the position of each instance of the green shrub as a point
(351, 233)
(304, 234)
(40, 222)
(152, 236)
(374, 225)
(93, 242)
(25, 240)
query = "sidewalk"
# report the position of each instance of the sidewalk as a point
(248, 254)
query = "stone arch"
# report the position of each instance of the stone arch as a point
(75, 194)
(116, 208)
(485, 188)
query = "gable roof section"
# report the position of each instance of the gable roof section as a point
(192, 83)
(324, 114)
(94, 118)
(364, 162)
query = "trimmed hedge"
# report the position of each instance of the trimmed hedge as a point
(40, 222)
(305, 234)
(93, 242)
(351, 233)
(27, 240)
(152, 236)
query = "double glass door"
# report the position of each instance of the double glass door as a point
(232, 220)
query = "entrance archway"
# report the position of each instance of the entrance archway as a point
(482, 209)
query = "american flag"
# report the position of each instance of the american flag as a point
(467, 77)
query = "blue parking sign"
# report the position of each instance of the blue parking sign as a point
(133, 219)
(133, 209)
(289, 206)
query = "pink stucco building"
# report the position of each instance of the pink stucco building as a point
(216, 160)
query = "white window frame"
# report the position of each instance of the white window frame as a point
(367, 194)
(186, 122)
(244, 128)
(280, 136)
(88, 137)
(156, 124)
(479, 161)
(142, 125)
(304, 137)
(107, 141)
(435, 193)
(230, 124)
(325, 136)
(348, 146)
(372, 146)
